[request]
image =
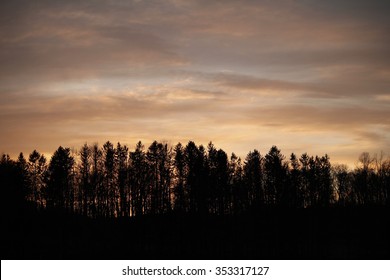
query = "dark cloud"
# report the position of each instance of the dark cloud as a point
(55, 41)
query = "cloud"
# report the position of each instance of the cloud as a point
(60, 41)
(244, 73)
(179, 115)
(261, 85)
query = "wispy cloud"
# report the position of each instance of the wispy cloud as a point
(245, 74)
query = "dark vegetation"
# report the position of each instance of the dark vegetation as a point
(192, 202)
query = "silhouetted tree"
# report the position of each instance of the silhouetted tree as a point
(326, 193)
(379, 183)
(111, 182)
(295, 191)
(24, 177)
(343, 185)
(224, 189)
(385, 180)
(37, 169)
(85, 186)
(253, 179)
(165, 174)
(181, 198)
(305, 173)
(159, 160)
(13, 188)
(121, 155)
(212, 192)
(153, 160)
(219, 190)
(196, 181)
(320, 189)
(59, 189)
(96, 181)
(362, 176)
(383, 171)
(275, 177)
(110, 189)
(239, 196)
(139, 179)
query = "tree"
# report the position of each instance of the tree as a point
(13, 188)
(275, 177)
(253, 179)
(343, 184)
(362, 177)
(239, 199)
(371, 179)
(85, 186)
(96, 181)
(326, 192)
(111, 182)
(165, 173)
(305, 176)
(110, 193)
(22, 168)
(379, 185)
(383, 173)
(212, 191)
(180, 198)
(196, 181)
(37, 169)
(317, 173)
(222, 176)
(295, 192)
(59, 190)
(219, 192)
(385, 181)
(139, 179)
(121, 156)
(159, 160)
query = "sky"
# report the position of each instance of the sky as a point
(306, 76)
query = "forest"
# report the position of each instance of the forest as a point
(191, 189)
(112, 181)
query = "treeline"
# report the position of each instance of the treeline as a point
(111, 181)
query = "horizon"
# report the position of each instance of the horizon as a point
(381, 156)
(307, 77)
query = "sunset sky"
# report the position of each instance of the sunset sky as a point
(307, 76)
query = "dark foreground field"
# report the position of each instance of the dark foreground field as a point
(271, 234)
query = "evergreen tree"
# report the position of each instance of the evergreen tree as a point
(196, 181)
(275, 177)
(121, 155)
(85, 186)
(159, 159)
(37, 169)
(239, 198)
(24, 179)
(96, 199)
(253, 179)
(295, 192)
(181, 198)
(139, 180)
(326, 193)
(110, 194)
(59, 189)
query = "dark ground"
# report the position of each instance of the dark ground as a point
(335, 233)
